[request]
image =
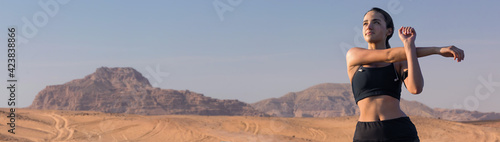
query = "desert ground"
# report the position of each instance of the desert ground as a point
(58, 125)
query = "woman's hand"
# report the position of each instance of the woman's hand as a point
(452, 51)
(407, 34)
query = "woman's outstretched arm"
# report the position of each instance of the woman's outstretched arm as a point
(415, 81)
(447, 51)
(361, 56)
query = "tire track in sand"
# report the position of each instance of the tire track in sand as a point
(64, 133)
(251, 127)
(317, 133)
(159, 127)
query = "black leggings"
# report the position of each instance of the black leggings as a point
(393, 130)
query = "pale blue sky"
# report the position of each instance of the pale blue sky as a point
(261, 49)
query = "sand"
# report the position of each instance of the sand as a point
(57, 125)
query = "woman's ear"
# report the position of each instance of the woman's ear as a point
(389, 31)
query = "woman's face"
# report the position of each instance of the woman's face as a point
(374, 27)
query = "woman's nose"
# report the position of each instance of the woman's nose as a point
(370, 26)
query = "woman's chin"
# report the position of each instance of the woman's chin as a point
(372, 39)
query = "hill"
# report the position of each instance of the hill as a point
(336, 99)
(124, 90)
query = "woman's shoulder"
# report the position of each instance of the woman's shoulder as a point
(354, 49)
(353, 52)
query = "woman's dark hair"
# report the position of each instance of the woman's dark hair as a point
(388, 21)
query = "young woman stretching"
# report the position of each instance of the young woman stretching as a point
(376, 76)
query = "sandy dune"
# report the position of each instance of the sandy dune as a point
(52, 125)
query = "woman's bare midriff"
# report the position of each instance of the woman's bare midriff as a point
(379, 108)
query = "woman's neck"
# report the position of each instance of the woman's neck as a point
(378, 45)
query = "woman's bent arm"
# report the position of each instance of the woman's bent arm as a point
(415, 81)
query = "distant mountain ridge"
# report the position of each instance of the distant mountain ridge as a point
(124, 90)
(324, 100)
(336, 99)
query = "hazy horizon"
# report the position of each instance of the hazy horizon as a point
(253, 51)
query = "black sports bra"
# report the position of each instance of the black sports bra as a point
(368, 82)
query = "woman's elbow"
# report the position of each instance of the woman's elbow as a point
(416, 90)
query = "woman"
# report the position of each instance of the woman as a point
(377, 73)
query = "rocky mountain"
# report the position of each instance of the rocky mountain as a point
(124, 90)
(324, 100)
(332, 100)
